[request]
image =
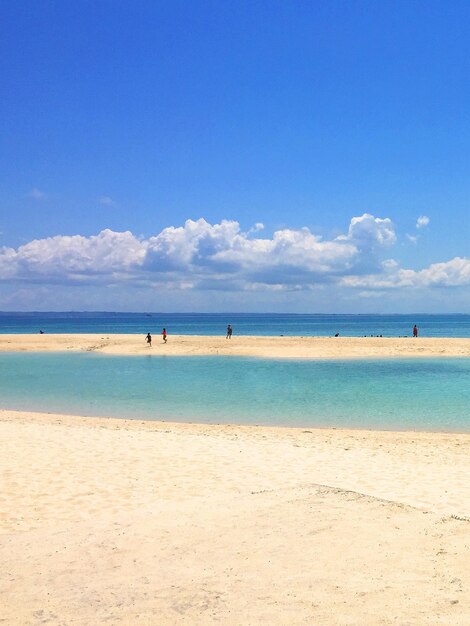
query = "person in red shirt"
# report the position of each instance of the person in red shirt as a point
(164, 334)
(415, 331)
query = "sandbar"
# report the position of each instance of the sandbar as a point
(267, 347)
(107, 521)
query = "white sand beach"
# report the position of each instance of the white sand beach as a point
(269, 347)
(107, 521)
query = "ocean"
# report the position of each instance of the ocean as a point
(393, 394)
(274, 324)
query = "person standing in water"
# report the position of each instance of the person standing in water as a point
(148, 339)
(415, 331)
(164, 334)
(229, 332)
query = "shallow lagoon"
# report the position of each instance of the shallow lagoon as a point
(416, 394)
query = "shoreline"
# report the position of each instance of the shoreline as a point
(122, 521)
(248, 346)
(146, 422)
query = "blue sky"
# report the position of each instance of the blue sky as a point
(335, 125)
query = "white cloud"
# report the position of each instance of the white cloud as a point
(370, 231)
(37, 194)
(256, 228)
(72, 257)
(389, 265)
(453, 273)
(422, 221)
(412, 238)
(8, 267)
(106, 201)
(200, 255)
(203, 255)
(213, 252)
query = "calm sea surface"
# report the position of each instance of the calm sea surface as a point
(243, 324)
(416, 394)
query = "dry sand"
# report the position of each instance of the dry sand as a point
(121, 522)
(270, 347)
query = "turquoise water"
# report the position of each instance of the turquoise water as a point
(416, 394)
(243, 324)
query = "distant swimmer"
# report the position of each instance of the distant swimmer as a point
(229, 332)
(41, 332)
(148, 339)
(164, 335)
(415, 331)
(337, 335)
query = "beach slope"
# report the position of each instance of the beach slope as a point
(126, 522)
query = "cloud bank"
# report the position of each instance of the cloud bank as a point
(200, 255)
